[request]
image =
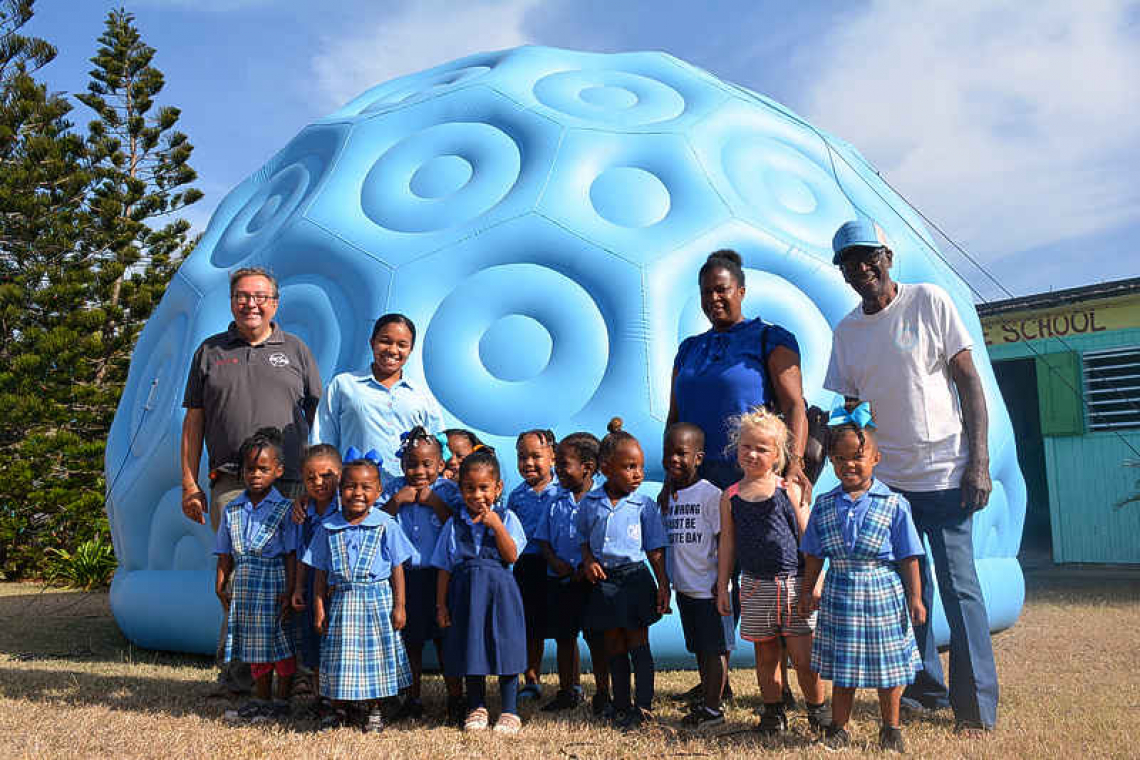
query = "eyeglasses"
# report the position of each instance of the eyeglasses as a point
(860, 257)
(254, 298)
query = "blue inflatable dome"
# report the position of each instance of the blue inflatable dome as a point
(541, 215)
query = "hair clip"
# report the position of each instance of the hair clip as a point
(860, 416)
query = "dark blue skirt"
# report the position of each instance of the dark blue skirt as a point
(419, 602)
(487, 636)
(627, 598)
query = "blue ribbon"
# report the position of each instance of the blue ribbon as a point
(860, 416)
(372, 455)
(444, 452)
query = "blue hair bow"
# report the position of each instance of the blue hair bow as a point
(372, 455)
(444, 452)
(860, 416)
(440, 438)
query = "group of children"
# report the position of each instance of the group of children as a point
(360, 574)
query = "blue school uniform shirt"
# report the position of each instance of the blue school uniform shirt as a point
(903, 540)
(620, 533)
(420, 523)
(395, 549)
(558, 527)
(357, 410)
(720, 374)
(448, 553)
(252, 518)
(530, 506)
(305, 532)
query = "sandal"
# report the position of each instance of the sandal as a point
(508, 723)
(476, 720)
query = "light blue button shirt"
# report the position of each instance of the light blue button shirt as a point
(447, 552)
(903, 540)
(558, 527)
(620, 533)
(252, 518)
(530, 506)
(419, 522)
(356, 410)
(395, 549)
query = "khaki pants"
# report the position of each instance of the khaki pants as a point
(235, 675)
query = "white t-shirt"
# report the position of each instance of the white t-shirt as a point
(692, 523)
(899, 360)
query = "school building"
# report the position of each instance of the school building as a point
(1068, 365)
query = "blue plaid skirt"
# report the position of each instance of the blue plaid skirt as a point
(487, 636)
(361, 655)
(863, 638)
(255, 633)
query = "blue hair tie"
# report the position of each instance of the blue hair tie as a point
(860, 416)
(444, 451)
(372, 455)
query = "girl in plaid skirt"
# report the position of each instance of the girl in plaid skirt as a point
(864, 637)
(256, 564)
(358, 596)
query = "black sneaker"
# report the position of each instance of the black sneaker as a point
(601, 706)
(773, 721)
(628, 720)
(280, 709)
(374, 723)
(836, 738)
(456, 711)
(890, 740)
(704, 719)
(563, 700)
(819, 717)
(411, 709)
(253, 711)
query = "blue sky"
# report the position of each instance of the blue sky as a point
(1015, 126)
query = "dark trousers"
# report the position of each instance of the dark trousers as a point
(973, 692)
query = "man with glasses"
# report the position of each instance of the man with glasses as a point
(906, 350)
(251, 376)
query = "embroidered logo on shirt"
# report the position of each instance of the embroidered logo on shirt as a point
(278, 359)
(634, 531)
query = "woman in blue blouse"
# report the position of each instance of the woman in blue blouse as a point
(733, 367)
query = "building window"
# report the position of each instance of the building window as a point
(1112, 388)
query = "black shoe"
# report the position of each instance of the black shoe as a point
(602, 707)
(890, 740)
(333, 719)
(704, 719)
(374, 723)
(456, 711)
(411, 709)
(697, 693)
(773, 721)
(280, 709)
(563, 700)
(819, 717)
(836, 738)
(628, 720)
(253, 711)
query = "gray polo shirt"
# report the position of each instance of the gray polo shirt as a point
(241, 387)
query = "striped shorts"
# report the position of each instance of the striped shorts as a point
(768, 608)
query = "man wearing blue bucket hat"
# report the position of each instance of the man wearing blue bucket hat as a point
(906, 350)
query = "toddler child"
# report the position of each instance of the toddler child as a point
(530, 500)
(477, 600)
(575, 461)
(357, 556)
(256, 561)
(422, 501)
(619, 529)
(760, 528)
(692, 525)
(864, 638)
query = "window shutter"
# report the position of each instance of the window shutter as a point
(1059, 386)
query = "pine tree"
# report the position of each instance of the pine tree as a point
(43, 185)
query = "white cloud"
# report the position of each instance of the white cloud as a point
(204, 6)
(424, 34)
(1012, 125)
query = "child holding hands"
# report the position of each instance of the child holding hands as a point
(864, 638)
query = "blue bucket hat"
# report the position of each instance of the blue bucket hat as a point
(858, 233)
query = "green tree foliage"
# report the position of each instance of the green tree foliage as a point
(84, 258)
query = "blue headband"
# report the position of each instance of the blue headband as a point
(860, 416)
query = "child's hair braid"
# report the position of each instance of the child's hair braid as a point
(482, 456)
(615, 438)
(585, 446)
(544, 436)
(409, 439)
(265, 438)
(834, 432)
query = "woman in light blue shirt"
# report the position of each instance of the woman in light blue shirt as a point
(371, 408)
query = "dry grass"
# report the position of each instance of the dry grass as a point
(71, 686)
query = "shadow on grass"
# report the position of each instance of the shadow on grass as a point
(48, 624)
(1107, 584)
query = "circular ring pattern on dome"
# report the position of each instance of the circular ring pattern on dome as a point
(784, 187)
(309, 308)
(267, 210)
(420, 184)
(472, 342)
(433, 84)
(629, 197)
(614, 98)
